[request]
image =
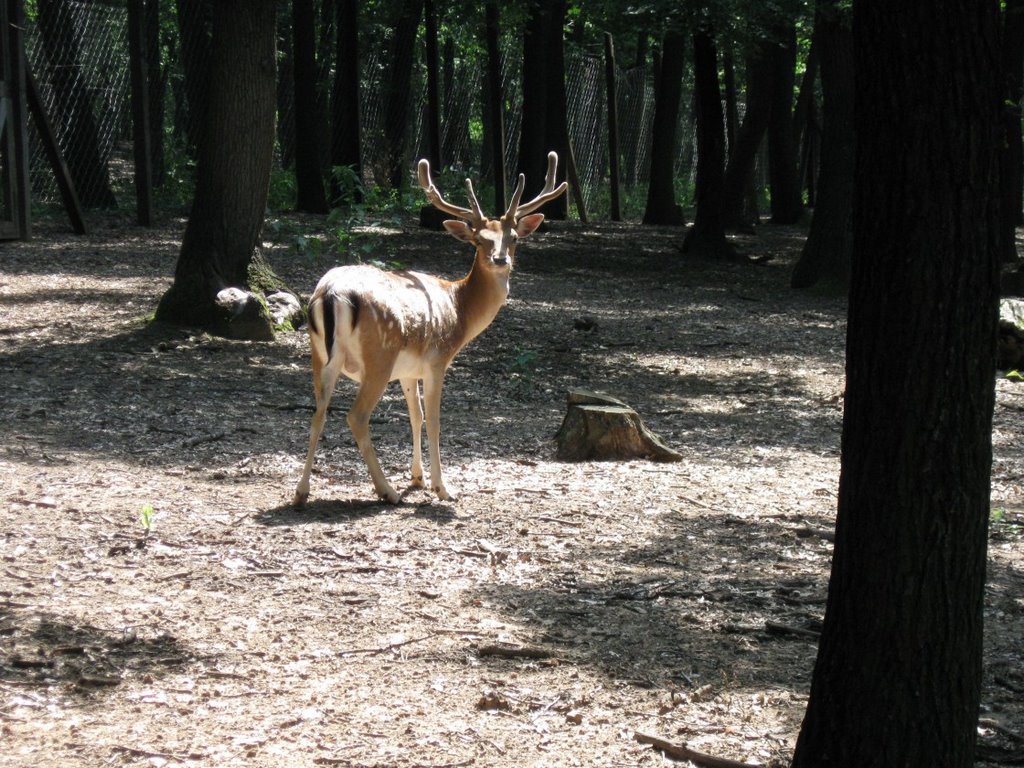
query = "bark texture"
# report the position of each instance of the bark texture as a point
(309, 182)
(233, 173)
(826, 257)
(706, 237)
(661, 205)
(898, 674)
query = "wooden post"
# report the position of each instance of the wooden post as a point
(138, 62)
(48, 138)
(613, 126)
(15, 134)
(494, 106)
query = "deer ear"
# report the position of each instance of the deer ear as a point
(528, 224)
(459, 229)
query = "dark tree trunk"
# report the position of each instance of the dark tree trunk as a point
(398, 91)
(433, 67)
(156, 75)
(897, 680)
(71, 98)
(732, 114)
(706, 238)
(233, 171)
(556, 126)
(661, 205)
(803, 112)
(783, 174)
(309, 182)
(825, 261)
(742, 160)
(346, 150)
(533, 133)
(286, 106)
(1012, 157)
(494, 113)
(194, 29)
(455, 131)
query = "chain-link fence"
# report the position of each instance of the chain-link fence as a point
(78, 54)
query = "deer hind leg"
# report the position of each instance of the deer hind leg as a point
(411, 388)
(432, 384)
(371, 389)
(324, 379)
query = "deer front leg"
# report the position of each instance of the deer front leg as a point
(432, 384)
(371, 389)
(411, 388)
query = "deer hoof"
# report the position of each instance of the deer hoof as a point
(416, 482)
(444, 494)
(390, 495)
(300, 499)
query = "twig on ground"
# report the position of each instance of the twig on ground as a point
(818, 533)
(514, 651)
(139, 752)
(777, 628)
(200, 439)
(384, 648)
(681, 752)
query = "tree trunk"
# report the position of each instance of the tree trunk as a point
(398, 90)
(1012, 155)
(156, 75)
(825, 261)
(556, 126)
(233, 171)
(783, 174)
(309, 183)
(455, 130)
(494, 113)
(732, 113)
(308, 175)
(661, 205)
(742, 160)
(803, 111)
(346, 151)
(71, 100)
(706, 238)
(897, 680)
(194, 25)
(433, 67)
(533, 151)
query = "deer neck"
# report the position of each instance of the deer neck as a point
(479, 297)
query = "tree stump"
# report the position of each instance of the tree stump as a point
(600, 427)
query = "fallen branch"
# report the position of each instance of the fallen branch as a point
(383, 648)
(199, 440)
(777, 628)
(514, 651)
(680, 752)
(137, 752)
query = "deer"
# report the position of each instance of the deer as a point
(377, 326)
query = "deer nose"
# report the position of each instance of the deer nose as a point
(499, 259)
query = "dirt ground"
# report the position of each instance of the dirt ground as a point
(544, 619)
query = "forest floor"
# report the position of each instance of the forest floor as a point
(546, 618)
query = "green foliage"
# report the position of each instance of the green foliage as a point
(1005, 524)
(283, 187)
(146, 516)
(1014, 376)
(521, 370)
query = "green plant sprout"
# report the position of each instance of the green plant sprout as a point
(146, 518)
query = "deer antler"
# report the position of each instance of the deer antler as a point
(550, 192)
(474, 214)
